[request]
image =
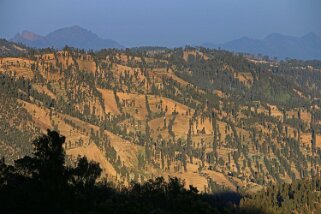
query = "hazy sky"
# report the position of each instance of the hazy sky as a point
(164, 22)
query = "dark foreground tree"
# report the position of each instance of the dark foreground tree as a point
(42, 183)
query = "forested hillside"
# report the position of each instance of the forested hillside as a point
(218, 120)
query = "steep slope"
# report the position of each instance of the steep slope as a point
(11, 49)
(217, 119)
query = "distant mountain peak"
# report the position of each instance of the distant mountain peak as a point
(277, 45)
(30, 35)
(74, 28)
(27, 35)
(74, 36)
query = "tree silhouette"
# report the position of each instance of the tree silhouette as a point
(42, 183)
(47, 162)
